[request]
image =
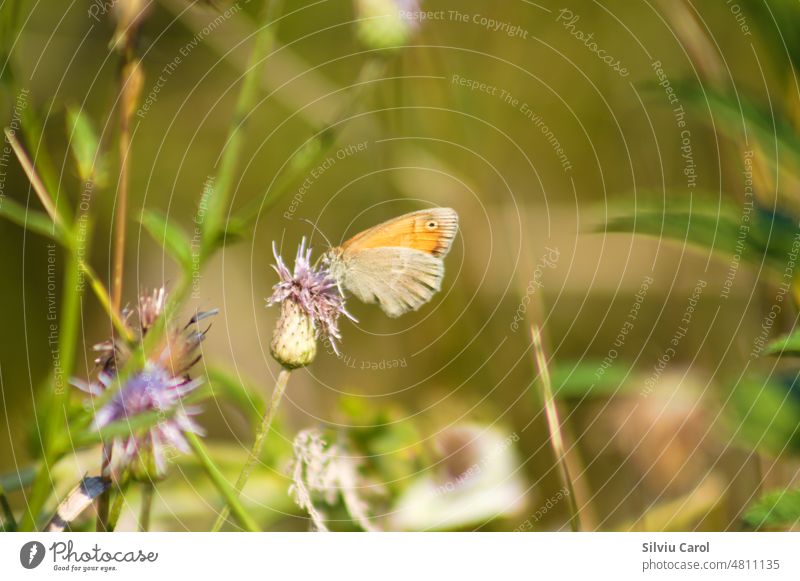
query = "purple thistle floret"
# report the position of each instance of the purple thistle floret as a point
(159, 387)
(154, 389)
(314, 290)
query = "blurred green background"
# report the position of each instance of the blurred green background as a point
(467, 116)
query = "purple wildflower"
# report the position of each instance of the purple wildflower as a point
(154, 389)
(311, 297)
(160, 387)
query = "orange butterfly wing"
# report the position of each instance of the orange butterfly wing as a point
(431, 231)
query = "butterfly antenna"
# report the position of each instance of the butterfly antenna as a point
(321, 233)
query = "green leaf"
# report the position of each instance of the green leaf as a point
(231, 235)
(738, 117)
(222, 485)
(85, 146)
(712, 224)
(22, 478)
(33, 129)
(779, 36)
(589, 378)
(32, 220)
(776, 509)
(170, 236)
(395, 447)
(715, 233)
(122, 428)
(10, 21)
(764, 413)
(774, 234)
(788, 345)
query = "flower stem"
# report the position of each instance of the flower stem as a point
(119, 500)
(105, 301)
(372, 70)
(214, 229)
(44, 196)
(223, 486)
(103, 500)
(554, 427)
(217, 203)
(148, 488)
(129, 95)
(258, 443)
(64, 235)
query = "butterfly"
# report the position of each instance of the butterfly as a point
(399, 263)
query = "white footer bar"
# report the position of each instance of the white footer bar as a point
(406, 556)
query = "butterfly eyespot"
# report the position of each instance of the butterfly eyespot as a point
(432, 225)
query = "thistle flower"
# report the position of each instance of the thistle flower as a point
(310, 308)
(154, 389)
(384, 24)
(178, 352)
(160, 387)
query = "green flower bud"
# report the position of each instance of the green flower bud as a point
(294, 342)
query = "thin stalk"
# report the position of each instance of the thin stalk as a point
(582, 493)
(370, 71)
(116, 508)
(148, 490)
(554, 427)
(105, 301)
(40, 491)
(258, 443)
(223, 486)
(55, 419)
(130, 85)
(101, 524)
(129, 93)
(38, 187)
(34, 133)
(217, 204)
(62, 236)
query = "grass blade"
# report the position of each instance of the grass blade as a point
(258, 443)
(32, 220)
(223, 486)
(36, 182)
(554, 426)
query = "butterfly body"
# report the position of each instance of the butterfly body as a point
(399, 263)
